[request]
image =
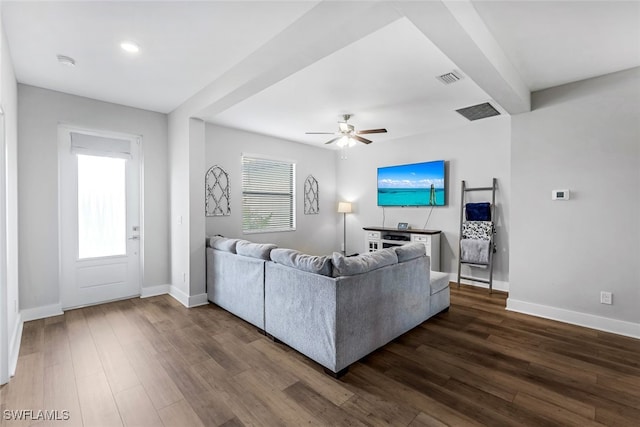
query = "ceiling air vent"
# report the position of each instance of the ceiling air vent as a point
(449, 78)
(480, 111)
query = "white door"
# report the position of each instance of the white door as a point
(99, 190)
(4, 302)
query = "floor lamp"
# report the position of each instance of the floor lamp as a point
(344, 208)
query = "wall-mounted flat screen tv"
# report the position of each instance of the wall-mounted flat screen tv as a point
(416, 184)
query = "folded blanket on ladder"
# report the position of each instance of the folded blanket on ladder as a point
(477, 230)
(478, 211)
(475, 251)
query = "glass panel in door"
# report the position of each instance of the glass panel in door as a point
(102, 222)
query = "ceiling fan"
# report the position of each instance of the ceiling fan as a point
(347, 133)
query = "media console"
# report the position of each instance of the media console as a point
(377, 238)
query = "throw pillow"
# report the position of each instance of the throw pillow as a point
(350, 266)
(410, 251)
(298, 260)
(223, 244)
(254, 250)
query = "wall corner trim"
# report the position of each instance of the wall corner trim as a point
(152, 291)
(41, 312)
(188, 301)
(14, 345)
(605, 324)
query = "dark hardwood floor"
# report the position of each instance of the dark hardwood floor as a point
(153, 362)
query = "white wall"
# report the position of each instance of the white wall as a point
(40, 112)
(475, 152)
(315, 234)
(197, 225)
(10, 323)
(179, 186)
(584, 137)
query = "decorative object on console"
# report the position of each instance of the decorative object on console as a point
(344, 208)
(311, 196)
(217, 192)
(403, 226)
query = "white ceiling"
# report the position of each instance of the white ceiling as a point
(283, 68)
(553, 43)
(184, 46)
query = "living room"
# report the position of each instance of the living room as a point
(554, 258)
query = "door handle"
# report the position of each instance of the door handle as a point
(134, 238)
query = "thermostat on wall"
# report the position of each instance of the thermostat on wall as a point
(560, 195)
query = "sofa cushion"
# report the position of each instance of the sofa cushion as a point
(410, 251)
(254, 250)
(350, 266)
(438, 281)
(298, 260)
(223, 244)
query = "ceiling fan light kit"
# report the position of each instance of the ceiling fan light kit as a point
(347, 135)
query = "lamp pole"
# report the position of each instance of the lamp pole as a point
(344, 237)
(344, 208)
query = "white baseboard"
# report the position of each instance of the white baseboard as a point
(498, 285)
(198, 300)
(152, 291)
(14, 345)
(600, 323)
(41, 312)
(188, 300)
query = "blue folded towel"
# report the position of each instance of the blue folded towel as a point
(478, 211)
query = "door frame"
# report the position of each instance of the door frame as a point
(4, 304)
(64, 134)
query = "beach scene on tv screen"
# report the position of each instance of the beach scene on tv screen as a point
(418, 184)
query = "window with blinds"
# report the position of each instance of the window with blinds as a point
(268, 195)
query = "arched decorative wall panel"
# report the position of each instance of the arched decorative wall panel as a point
(311, 196)
(217, 192)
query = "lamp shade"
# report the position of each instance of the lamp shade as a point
(344, 207)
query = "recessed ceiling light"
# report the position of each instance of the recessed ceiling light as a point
(66, 60)
(130, 46)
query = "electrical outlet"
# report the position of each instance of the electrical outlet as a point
(606, 298)
(184, 277)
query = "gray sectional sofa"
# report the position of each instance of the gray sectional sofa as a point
(335, 310)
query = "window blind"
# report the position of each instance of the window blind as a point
(93, 145)
(268, 195)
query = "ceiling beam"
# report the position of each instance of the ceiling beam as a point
(455, 27)
(326, 28)
(459, 32)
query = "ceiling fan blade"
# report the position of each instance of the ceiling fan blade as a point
(362, 132)
(333, 140)
(361, 139)
(319, 133)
